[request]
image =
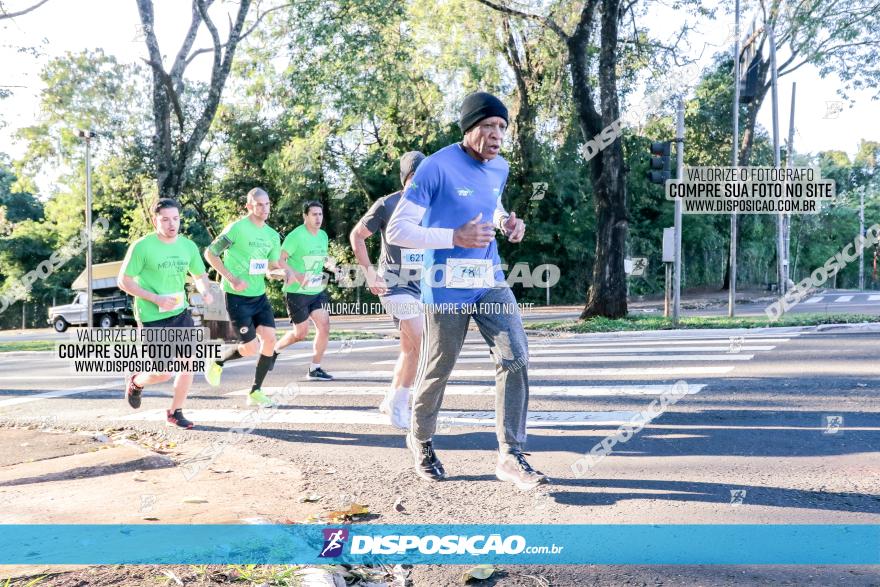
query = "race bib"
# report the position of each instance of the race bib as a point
(314, 281)
(469, 273)
(259, 266)
(412, 258)
(179, 300)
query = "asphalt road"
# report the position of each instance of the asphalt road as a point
(779, 426)
(825, 302)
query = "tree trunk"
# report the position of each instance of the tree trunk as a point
(172, 149)
(524, 118)
(607, 292)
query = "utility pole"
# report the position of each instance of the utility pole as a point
(789, 164)
(862, 234)
(88, 135)
(731, 298)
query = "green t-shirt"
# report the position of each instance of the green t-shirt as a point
(161, 268)
(307, 254)
(249, 250)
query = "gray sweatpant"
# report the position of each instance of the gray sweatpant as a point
(500, 323)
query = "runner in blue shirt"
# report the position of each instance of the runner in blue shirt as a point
(461, 278)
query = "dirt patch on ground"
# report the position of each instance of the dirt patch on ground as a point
(27, 445)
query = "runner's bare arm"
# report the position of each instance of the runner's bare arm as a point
(217, 263)
(358, 238)
(500, 214)
(203, 286)
(127, 284)
(291, 275)
(509, 225)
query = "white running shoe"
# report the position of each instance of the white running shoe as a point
(401, 412)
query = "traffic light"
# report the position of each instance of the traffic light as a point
(749, 67)
(659, 166)
(748, 83)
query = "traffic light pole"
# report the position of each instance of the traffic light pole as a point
(679, 152)
(774, 93)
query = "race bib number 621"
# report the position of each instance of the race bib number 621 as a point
(412, 258)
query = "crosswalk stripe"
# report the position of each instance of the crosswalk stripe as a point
(534, 350)
(268, 416)
(841, 299)
(682, 337)
(873, 298)
(487, 390)
(815, 300)
(29, 377)
(606, 359)
(58, 393)
(537, 342)
(556, 372)
(331, 352)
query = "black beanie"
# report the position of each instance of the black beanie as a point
(479, 106)
(408, 164)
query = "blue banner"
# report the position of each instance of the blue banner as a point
(751, 544)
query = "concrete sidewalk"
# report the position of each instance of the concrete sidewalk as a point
(114, 477)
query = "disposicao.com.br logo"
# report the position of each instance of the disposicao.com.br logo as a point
(401, 544)
(334, 542)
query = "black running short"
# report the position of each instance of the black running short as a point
(247, 313)
(182, 320)
(300, 306)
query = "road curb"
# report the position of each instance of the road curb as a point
(862, 327)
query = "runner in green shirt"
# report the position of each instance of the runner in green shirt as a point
(250, 249)
(305, 252)
(154, 272)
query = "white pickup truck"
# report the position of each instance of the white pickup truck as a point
(108, 312)
(111, 306)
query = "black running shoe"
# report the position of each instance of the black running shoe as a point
(427, 465)
(319, 375)
(176, 418)
(133, 392)
(513, 467)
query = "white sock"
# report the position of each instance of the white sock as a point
(313, 366)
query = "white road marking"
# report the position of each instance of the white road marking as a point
(535, 350)
(28, 377)
(556, 372)
(873, 298)
(539, 342)
(58, 393)
(489, 390)
(607, 359)
(841, 299)
(331, 352)
(815, 300)
(246, 418)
